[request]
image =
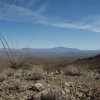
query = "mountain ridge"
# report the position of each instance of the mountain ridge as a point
(57, 51)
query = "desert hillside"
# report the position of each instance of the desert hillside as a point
(49, 50)
(43, 82)
(93, 62)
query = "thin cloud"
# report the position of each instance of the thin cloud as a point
(42, 8)
(23, 10)
(15, 11)
(91, 25)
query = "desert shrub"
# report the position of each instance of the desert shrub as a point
(15, 84)
(9, 72)
(16, 59)
(52, 94)
(3, 77)
(72, 70)
(19, 73)
(31, 98)
(36, 73)
(37, 69)
(35, 76)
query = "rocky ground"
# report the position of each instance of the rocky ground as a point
(37, 85)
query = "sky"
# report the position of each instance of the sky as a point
(51, 23)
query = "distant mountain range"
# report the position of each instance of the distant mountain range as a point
(58, 51)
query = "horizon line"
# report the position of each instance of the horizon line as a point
(51, 48)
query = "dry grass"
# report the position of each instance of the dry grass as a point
(9, 72)
(73, 70)
(14, 84)
(19, 73)
(36, 73)
(37, 69)
(3, 77)
(52, 94)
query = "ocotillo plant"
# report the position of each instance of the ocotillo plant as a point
(15, 61)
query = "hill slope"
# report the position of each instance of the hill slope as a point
(93, 62)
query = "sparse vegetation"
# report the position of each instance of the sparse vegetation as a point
(72, 70)
(3, 77)
(15, 60)
(15, 84)
(53, 94)
(9, 72)
(53, 87)
(36, 73)
(53, 78)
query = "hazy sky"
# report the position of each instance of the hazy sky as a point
(51, 23)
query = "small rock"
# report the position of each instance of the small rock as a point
(67, 84)
(63, 92)
(67, 90)
(79, 94)
(97, 77)
(37, 87)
